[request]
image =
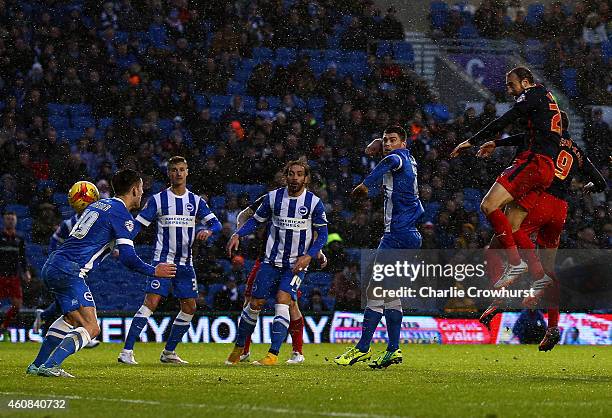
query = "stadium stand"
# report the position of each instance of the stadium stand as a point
(327, 108)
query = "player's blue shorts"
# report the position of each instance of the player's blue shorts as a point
(408, 240)
(270, 279)
(184, 284)
(62, 279)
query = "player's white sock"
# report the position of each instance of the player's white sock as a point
(80, 336)
(72, 342)
(56, 333)
(138, 323)
(280, 326)
(179, 328)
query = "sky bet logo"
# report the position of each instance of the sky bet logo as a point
(412, 271)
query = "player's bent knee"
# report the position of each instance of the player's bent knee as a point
(486, 207)
(375, 305)
(93, 330)
(188, 306)
(151, 301)
(394, 304)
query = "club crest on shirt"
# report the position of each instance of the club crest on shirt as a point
(129, 225)
(303, 210)
(155, 284)
(189, 207)
(88, 296)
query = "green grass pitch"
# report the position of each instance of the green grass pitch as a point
(434, 380)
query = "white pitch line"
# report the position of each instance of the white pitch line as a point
(239, 407)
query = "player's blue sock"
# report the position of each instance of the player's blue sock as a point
(280, 327)
(393, 317)
(56, 333)
(50, 312)
(138, 323)
(246, 325)
(371, 319)
(72, 342)
(179, 328)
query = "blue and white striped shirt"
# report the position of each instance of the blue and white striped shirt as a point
(176, 224)
(398, 172)
(291, 223)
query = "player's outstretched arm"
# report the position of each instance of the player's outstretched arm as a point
(232, 244)
(260, 216)
(243, 216)
(205, 231)
(460, 148)
(130, 259)
(486, 149)
(360, 192)
(390, 162)
(322, 259)
(497, 125)
(374, 148)
(597, 181)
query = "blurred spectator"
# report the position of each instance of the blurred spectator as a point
(315, 302)
(46, 221)
(597, 138)
(391, 27)
(228, 298)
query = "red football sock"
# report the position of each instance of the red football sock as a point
(528, 250)
(247, 345)
(503, 232)
(553, 295)
(553, 317)
(296, 330)
(10, 315)
(495, 262)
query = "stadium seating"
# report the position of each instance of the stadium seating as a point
(21, 211)
(158, 36)
(384, 48)
(57, 109)
(468, 32)
(438, 12)
(79, 109)
(404, 52)
(535, 52)
(606, 50)
(83, 122)
(570, 86)
(263, 54)
(535, 13)
(59, 122)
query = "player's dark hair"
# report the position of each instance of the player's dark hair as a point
(396, 129)
(177, 159)
(301, 162)
(523, 73)
(123, 181)
(9, 212)
(565, 123)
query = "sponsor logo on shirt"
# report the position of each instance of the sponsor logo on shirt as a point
(296, 224)
(177, 221)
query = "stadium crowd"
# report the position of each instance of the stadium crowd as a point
(570, 40)
(136, 81)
